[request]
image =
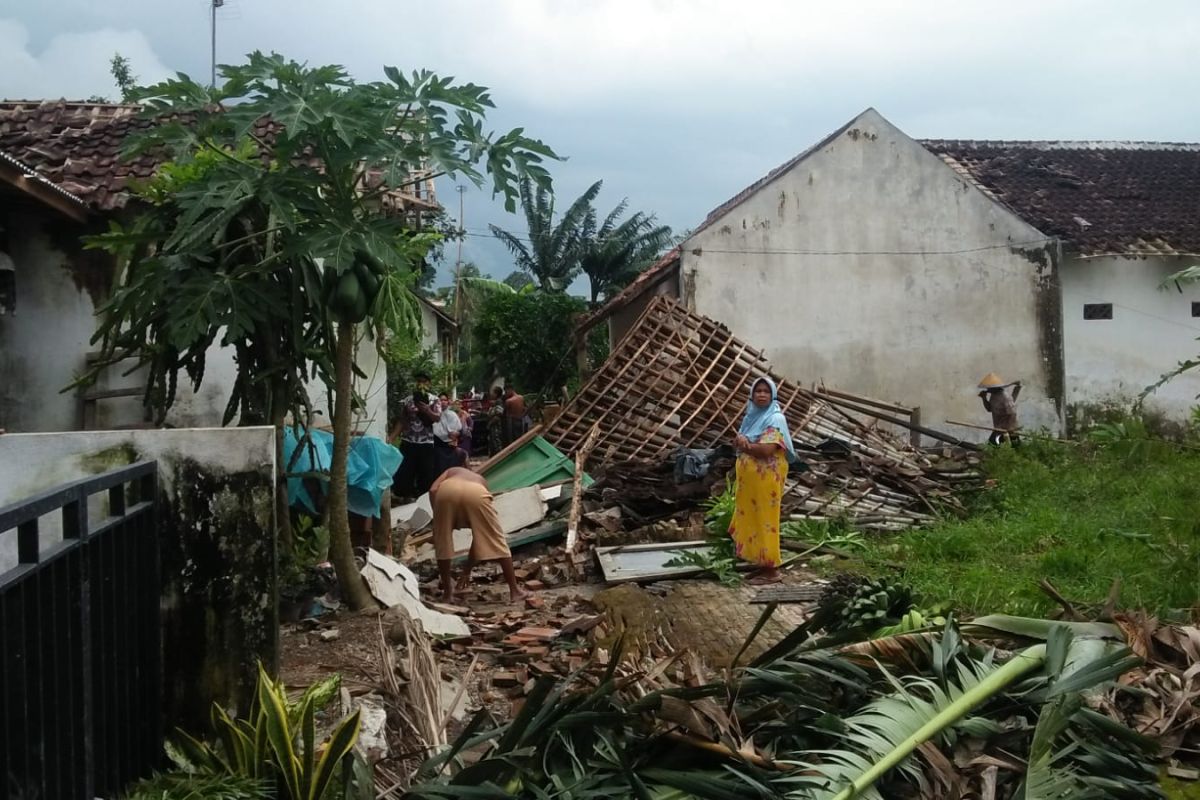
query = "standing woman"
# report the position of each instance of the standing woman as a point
(764, 447)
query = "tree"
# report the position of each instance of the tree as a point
(550, 253)
(527, 337)
(274, 230)
(122, 73)
(613, 253)
(518, 280)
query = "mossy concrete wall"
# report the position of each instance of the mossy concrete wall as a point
(216, 540)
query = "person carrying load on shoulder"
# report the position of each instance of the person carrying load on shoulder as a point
(1002, 407)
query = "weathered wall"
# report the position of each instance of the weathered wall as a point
(1110, 362)
(217, 543)
(42, 345)
(807, 269)
(429, 332)
(206, 407)
(626, 317)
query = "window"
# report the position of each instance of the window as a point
(1097, 311)
(1195, 309)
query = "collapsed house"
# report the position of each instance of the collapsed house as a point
(680, 380)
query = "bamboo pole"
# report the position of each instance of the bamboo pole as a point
(581, 458)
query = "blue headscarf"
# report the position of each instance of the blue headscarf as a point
(757, 419)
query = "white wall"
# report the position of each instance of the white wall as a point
(36, 462)
(1110, 362)
(918, 330)
(429, 332)
(42, 345)
(206, 407)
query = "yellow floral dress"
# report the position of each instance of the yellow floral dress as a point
(758, 494)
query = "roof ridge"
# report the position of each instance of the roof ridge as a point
(1063, 144)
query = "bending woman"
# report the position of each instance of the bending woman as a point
(764, 447)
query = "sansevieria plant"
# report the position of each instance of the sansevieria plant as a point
(280, 744)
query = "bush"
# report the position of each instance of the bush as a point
(528, 337)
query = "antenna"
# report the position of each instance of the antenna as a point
(213, 28)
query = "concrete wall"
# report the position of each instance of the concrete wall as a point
(206, 407)
(1110, 362)
(626, 317)
(42, 345)
(429, 332)
(216, 537)
(914, 329)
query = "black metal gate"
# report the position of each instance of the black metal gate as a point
(80, 661)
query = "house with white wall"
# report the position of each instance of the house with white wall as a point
(906, 269)
(61, 178)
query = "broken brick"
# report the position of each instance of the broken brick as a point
(504, 679)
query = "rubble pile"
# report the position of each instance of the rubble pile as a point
(680, 380)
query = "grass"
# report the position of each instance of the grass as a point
(1078, 515)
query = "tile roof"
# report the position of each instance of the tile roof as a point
(27, 172)
(77, 146)
(652, 275)
(1100, 197)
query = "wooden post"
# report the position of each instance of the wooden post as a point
(577, 495)
(914, 435)
(381, 529)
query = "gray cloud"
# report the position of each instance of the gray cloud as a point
(677, 104)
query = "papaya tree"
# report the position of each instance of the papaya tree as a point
(278, 228)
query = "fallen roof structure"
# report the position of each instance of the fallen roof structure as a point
(678, 379)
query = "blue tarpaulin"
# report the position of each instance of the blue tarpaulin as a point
(368, 472)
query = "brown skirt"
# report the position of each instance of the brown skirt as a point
(466, 504)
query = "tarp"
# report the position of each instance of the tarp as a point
(368, 472)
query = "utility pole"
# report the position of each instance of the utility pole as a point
(458, 309)
(462, 232)
(213, 29)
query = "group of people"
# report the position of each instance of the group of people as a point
(460, 497)
(435, 433)
(435, 439)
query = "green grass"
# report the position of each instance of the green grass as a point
(1078, 515)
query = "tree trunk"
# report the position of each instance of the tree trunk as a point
(283, 512)
(341, 553)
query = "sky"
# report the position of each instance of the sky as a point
(675, 104)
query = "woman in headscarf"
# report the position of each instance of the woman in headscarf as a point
(764, 447)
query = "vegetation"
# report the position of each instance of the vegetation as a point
(819, 716)
(184, 786)
(281, 257)
(1079, 515)
(611, 252)
(550, 251)
(279, 746)
(528, 336)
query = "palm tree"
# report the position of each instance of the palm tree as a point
(551, 252)
(613, 254)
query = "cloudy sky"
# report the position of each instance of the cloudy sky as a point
(675, 104)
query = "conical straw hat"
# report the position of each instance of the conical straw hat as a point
(991, 381)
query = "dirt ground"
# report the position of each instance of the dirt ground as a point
(701, 616)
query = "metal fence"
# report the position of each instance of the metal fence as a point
(80, 661)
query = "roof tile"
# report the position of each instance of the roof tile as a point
(1101, 197)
